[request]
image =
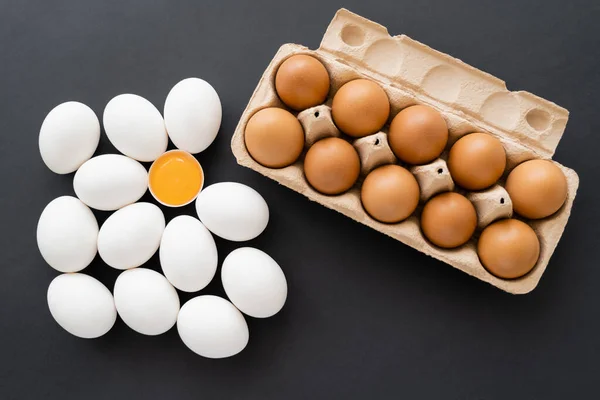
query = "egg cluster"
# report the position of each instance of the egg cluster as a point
(69, 237)
(418, 150)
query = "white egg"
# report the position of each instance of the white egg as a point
(192, 115)
(131, 236)
(146, 301)
(254, 282)
(68, 137)
(232, 211)
(110, 181)
(188, 254)
(212, 327)
(135, 127)
(81, 305)
(67, 234)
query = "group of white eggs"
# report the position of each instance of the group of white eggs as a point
(69, 237)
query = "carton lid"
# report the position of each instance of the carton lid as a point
(445, 82)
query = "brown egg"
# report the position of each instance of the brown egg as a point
(418, 135)
(331, 166)
(476, 161)
(508, 249)
(360, 108)
(302, 82)
(390, 193)
(448, 220)
(274, 137)
(537, 188)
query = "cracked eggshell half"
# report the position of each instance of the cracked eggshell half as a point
(192, 115)
(232, 211)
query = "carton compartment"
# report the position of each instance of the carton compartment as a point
(352, 51)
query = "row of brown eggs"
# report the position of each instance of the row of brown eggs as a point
(417, 135)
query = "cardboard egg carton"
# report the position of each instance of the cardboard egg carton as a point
(470, 100)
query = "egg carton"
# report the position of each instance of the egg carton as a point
(470, 100)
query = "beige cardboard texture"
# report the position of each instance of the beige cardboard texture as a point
(469, 100)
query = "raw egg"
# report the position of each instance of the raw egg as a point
(360, 108)
(390, 193)
(212, 327)
(69, 137)
(81, 305)
(110, 181)
(448, 220)
(418, 134)
(131, 235)
(537, 188)
(254, 282)
(274, 137)
(67, 234)
(146, 301)
(193, 115)
(135, 127)
(508, 249)
(188, 254)
(302, 82)
(175, 178)
(476, 161)
(332, 166)
(233, 211)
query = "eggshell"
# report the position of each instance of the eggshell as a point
(390, 193)
(537, 188)
(232, 211)
(301, 82)
(254, 282)
(476, 161)
(192, 115)
(131, 236)
(274, 137)
(212, 327)
(67, 234)
(448, 220)
(360, 107)
(81, 305)
(332, 166)
(68, 137)
(175, 178)
(135, 127)
(146, 301)
(508, 248)
(188, 254)
(418, 134)
(110, 181)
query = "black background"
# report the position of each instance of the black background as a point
(366, 316)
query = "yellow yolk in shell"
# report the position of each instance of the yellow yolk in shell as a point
(175, 178)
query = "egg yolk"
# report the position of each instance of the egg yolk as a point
(175, 178)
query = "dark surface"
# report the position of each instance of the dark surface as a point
(366, 317)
